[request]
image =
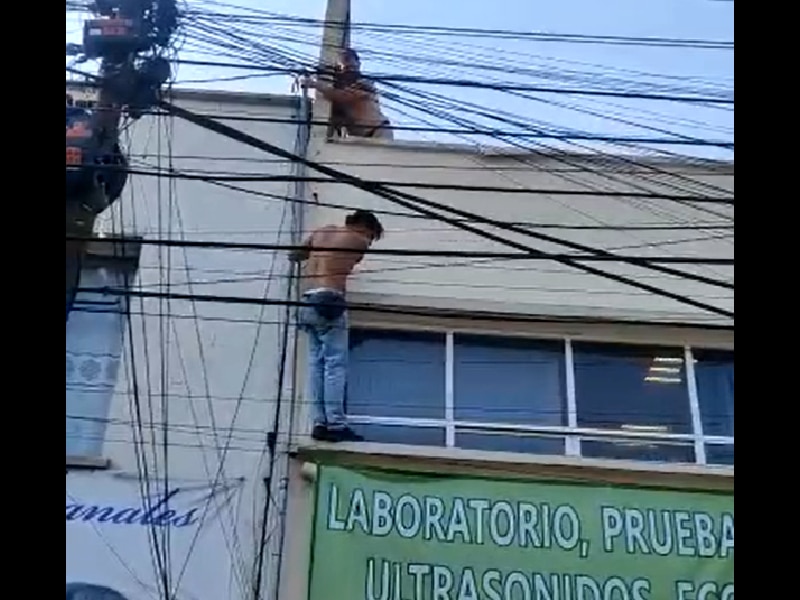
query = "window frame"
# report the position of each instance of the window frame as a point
(571, 432)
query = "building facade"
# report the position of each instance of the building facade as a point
(493, 392)
(487, 382)
(170, 399)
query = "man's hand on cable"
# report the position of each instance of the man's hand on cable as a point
(309, 82)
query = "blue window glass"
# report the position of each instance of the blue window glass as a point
(506, 442)
(641, 451)
(631, 388)
(397, 434)
(513, 381)
(714, 373)
(396, 374)
(719, 454)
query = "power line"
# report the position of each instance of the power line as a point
(373, 308)
(199, 175)
(476, 31)
(590, 137)
(524, 167)
(411, 215)
(518, 87)
(209, 244)
(416, 203)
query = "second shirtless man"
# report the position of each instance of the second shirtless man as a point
(330, 253)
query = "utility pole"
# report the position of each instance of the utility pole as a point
(126, 36)
(335, 36)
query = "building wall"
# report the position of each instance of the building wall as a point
(215, 383)
(519, 289)
(537, 287)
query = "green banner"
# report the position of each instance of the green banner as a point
(398, 536)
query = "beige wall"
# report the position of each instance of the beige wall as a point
(222, 360)
(222, 364)
(533, 287)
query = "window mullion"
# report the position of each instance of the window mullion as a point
(694, 407)
(573, 443)
(449, 389)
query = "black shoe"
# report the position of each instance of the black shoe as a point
(321, 433)
(344, 435)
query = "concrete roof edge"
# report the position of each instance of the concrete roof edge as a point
(449, 306)
(202, 95)
(502, 153)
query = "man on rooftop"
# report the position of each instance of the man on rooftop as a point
(354, 100)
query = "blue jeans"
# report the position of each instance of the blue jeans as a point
(325, 322)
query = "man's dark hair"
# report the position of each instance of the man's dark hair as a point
(351, 54)
(365, 218)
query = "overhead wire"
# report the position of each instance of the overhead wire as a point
(392, 310)
(201, 175)
(297, 36)
(679, 259)
(465, 83)
(349, 208)
(562, 159)
(164, 348)
(475, 131)
(273, 17)
(416, 203)
(135, 409)
(637, 260)
(168, 295)
(222, 30)
(672, 174)
(412, 215)
(164, 277)
(229, 537)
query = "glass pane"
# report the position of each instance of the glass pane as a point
(510, 442)
(632, 388)
(714, 372)
(644, 451)
(719, 455)
(396, 374)
(395, 434)
(509, 380)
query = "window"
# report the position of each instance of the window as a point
(542, 397)
(397, 380)
(632, 389)
(714, 375)
(502, 382)
(94, 345)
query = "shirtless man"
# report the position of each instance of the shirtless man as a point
(354, 98)
(330, 253)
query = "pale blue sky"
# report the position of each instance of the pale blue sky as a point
(697, 19)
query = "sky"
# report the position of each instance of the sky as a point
(695, 19)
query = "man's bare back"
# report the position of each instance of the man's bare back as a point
(331, 252)
(330, 268)
(355, 98)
